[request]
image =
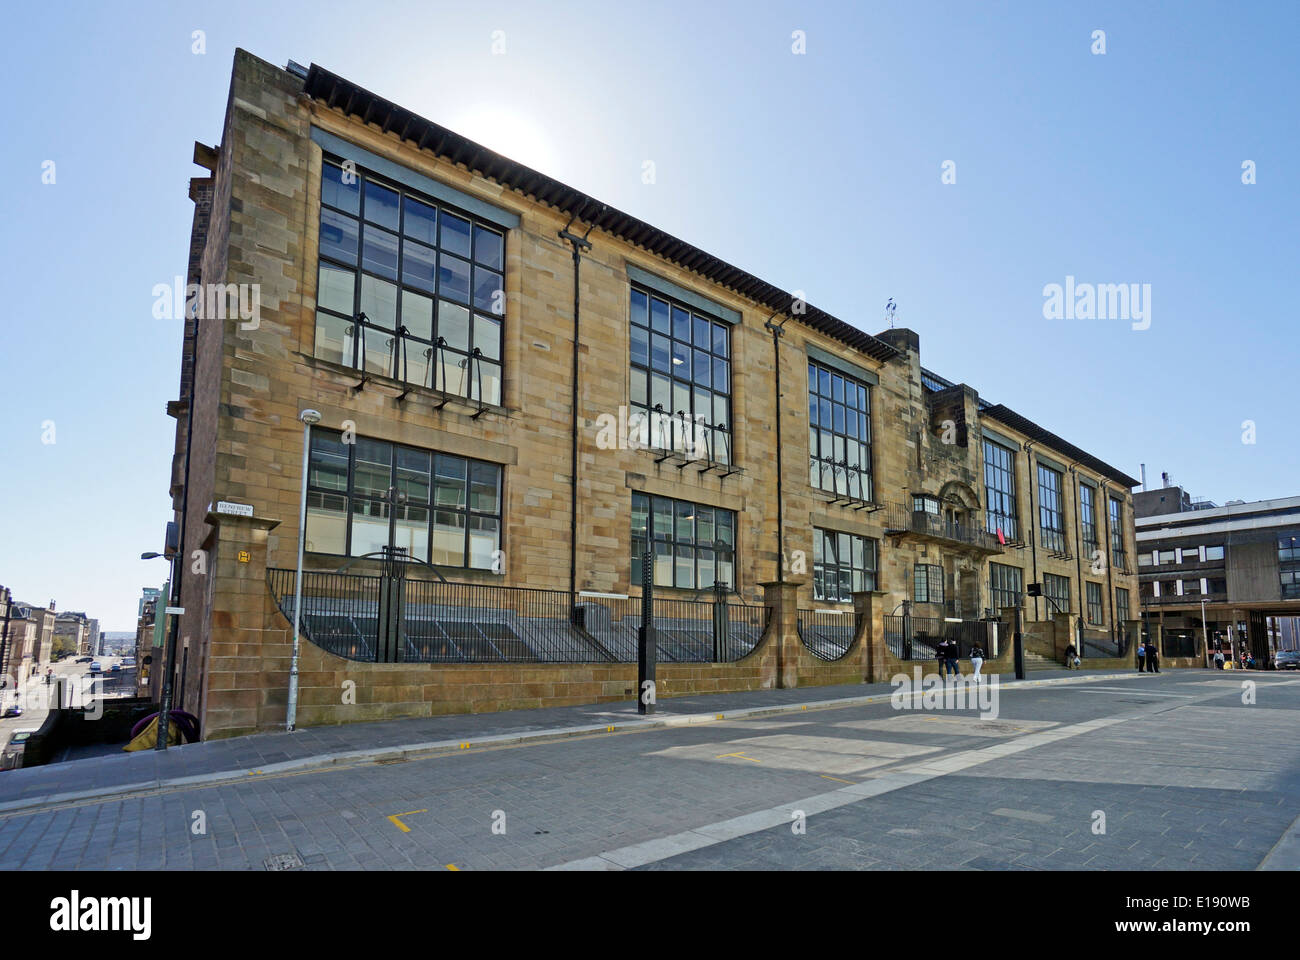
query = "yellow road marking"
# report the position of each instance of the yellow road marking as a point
(464, 746)
(740, 756)
(398, 823)
(452, 866)
(837, 779)
(610, 728)
(720, 716)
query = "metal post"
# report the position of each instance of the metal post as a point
(308, 417)
(1019, 641)
(719, 622)
(907, 630)
(645, 639)
(1205, 636)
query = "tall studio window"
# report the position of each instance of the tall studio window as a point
(1121, 605)
(839, 433)
(1058, 589)
(694, 545)
(1088, 517)
(428, 280)
(1118, 558)
(681, 379)
(1000, 489)
(843, 564)
(927, 583)
(370, 494)
(1094, 602)
(1051, 517)
(1006, 586)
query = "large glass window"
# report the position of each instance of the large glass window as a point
(1000, 489)
(1006, 586)
(1088, 517)
(428, 280)
(843, 564)
(371, 494)
(839, 433)
(1051, 517)
(1058, 589)
(1094, 602)
(681, 379)
(927, 583)
(1118, 557)
(694, 546)
(1214, 553)
(1122, 612)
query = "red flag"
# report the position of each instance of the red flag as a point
(1001, 539)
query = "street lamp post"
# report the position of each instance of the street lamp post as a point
(308, 417)
(1205, 635)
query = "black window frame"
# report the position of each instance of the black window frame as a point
(1122, 609)
(1057, 588)
(1088, 517)
(864, 575)
(1095, 607)
(997, 500)
(352, 495)
(1006, 582)
(650, 424)
(825, 384)
(724, 552)
(1051, 536)
(1115, 512)
(400, 340)
(925, 578)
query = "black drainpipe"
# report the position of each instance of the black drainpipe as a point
(579, 243)
(1078, 532)
(1033, 517)
(778, 332)
(1105, 547)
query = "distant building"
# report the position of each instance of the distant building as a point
(30, 641)
(1239, 562)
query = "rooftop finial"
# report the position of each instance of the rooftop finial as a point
(890, 307)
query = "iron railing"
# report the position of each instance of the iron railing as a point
(394, 619)
(898, 519)
(918, 638)
(827, 634)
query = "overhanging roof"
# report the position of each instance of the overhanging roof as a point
(341, 94)
(1036, 433)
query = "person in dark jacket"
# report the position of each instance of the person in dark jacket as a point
(1153, 658)
(941, 655)
(954, 652)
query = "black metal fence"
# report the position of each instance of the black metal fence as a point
(827, 634)
(393, 619)
(918, 638)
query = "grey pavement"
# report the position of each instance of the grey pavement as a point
(1186, 775)
(117, 772)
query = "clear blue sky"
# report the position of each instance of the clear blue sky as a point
(819, 172)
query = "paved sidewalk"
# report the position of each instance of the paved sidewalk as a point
(241, 757)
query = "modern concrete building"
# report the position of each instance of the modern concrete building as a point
(524, 392)
(1207, 571)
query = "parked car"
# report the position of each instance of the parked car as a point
(96, 667)
(13, 750)
(128, 662)
(1287, 660)
(115, 668)
(84, 659)
(13, 710)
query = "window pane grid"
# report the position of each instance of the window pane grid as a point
(843, 564)
(1051, 518)
(839, 434)
(418, 287)
(681, 378)
(693, 545)
(999, 490)
(372, 494)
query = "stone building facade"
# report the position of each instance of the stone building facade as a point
(425, 295)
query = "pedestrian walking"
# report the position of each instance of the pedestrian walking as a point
(941, 656)
(954, 652)
(1218, 659)
(976, 660)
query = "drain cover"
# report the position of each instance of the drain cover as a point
(284, 861)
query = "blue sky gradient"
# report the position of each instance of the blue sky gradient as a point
(819, 172)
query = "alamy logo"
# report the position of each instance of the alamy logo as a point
(75, 913)
(1098, 301)
(209, 301)
(933, 692)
